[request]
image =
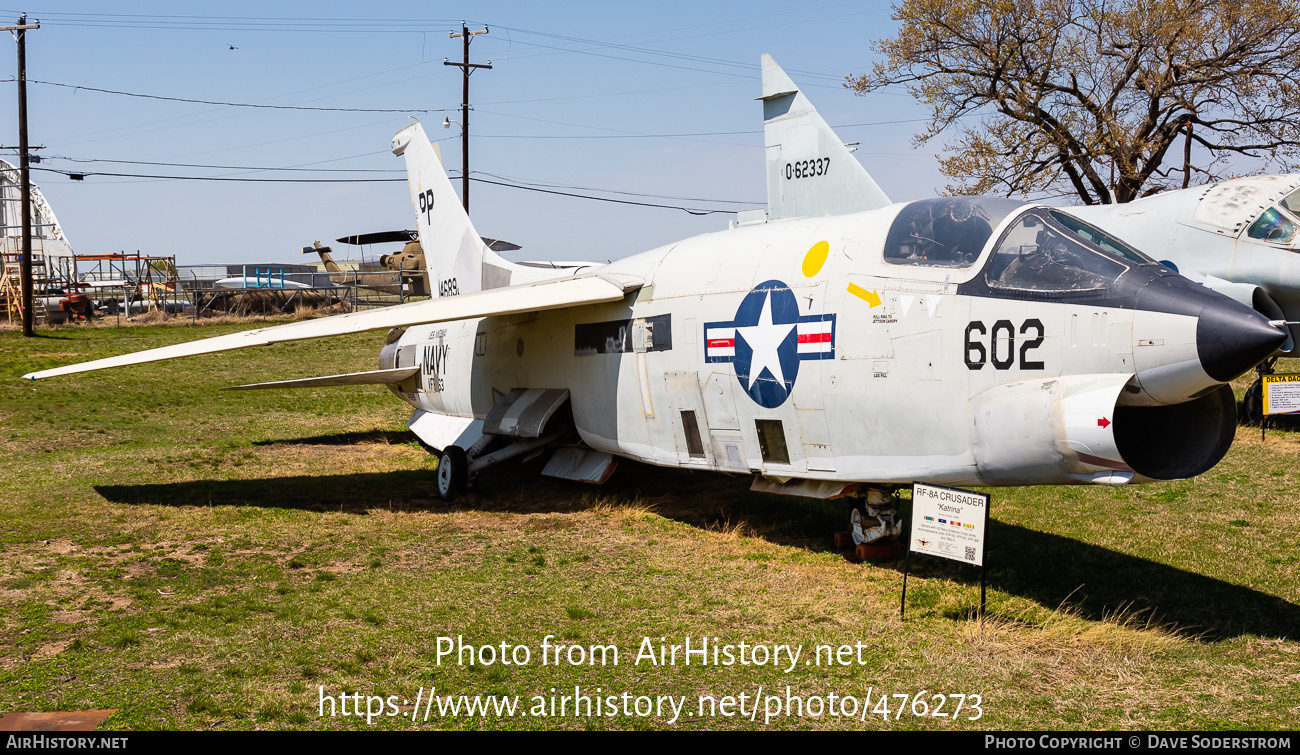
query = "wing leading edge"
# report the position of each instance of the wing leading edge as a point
(556, 294)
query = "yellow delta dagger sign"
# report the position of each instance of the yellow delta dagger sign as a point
(1282, 394)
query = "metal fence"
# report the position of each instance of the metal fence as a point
(196, 303)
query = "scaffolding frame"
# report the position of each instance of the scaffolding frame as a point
(43, 283)
(139, 277)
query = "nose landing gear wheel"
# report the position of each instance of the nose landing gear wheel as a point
(453, 472)
(1253, 403)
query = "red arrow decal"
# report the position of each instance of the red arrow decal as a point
(1103, 422)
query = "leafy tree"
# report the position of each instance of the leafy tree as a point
(1107, 99)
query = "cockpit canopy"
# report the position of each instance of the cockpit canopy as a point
(1049, 250)
(1041, 250)
(945, 232)
(1279, 223)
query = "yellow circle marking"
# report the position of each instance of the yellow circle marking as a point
(815, 258)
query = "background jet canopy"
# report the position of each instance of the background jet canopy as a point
(1278, 225)
(945, 232)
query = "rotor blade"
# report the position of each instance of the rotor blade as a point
(379, 237)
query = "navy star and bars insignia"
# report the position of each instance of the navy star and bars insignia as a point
(767, 340)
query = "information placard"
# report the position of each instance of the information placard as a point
(949, 523)
(1281, 394)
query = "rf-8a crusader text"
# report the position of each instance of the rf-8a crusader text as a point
(962, 341)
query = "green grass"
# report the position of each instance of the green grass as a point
(198, 559)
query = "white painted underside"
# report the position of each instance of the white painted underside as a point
(937, 468)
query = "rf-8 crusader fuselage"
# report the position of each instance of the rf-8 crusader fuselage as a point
(953, 340)
(803, 350)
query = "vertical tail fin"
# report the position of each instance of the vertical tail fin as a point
(453, 251)
(331, 267)
(809, 170)
(325, 256)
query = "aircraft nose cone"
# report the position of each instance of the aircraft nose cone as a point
(1229, 340)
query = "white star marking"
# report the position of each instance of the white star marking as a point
(764, 338)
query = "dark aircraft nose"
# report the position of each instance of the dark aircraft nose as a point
(1229, 340)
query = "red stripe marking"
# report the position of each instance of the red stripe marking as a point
(721, 343)
(815, 337)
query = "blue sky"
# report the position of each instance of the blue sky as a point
(589, 95)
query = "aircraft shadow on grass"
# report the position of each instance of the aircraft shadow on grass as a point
(393, 437)
(1046, 568)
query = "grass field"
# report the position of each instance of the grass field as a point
(200, 560)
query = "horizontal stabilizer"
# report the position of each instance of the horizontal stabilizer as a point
(371, 377)
(555, 294)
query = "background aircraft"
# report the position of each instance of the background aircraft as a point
(381, 277)
(832, 355)
(1238, 237)
(407, 267)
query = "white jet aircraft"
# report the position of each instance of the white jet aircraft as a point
(961, 341)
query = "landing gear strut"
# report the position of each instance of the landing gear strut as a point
(1253, 403)
(459, 467)
(874, 526)
(875, 517)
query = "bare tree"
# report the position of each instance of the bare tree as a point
(1108, 99)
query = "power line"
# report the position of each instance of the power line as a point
(225, 167)
(235, 179)
(526, 182)
(228, 23)
(424, 26)
(510, 180)
(631, 135)
(73, 173)
(689, 210)
(238, 104)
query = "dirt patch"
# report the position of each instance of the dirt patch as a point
(51, 649)
(551, 523)
(62, 546)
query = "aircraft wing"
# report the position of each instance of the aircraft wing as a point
(554, 294)
(370, 377)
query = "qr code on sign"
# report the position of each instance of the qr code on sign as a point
(970, 553)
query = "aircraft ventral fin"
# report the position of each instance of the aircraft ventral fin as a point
(555, 294)
(370, 377)
(810, 172)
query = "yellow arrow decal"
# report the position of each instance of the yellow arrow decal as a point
(870, 297)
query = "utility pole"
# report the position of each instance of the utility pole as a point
(20, 34)
(467, 68)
